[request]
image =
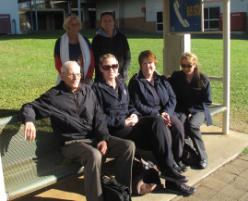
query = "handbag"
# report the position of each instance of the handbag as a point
(147, 174)
(190, 156)
(114, 191)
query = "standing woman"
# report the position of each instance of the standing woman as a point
(148, 133)
(74, 47)
(152, 95)
(109, 39)
(193, 94)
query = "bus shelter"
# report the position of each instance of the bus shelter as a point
(177, 43)
(174, 45)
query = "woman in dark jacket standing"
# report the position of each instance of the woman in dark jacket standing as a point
(152, 95)
(148, 133)
(193, 93)
(109, 39)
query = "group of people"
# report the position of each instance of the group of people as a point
(108, 119)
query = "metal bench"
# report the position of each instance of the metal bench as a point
(30, 166)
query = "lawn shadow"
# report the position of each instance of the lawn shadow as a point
(131, 34)
(89, 33)
(8, 112)
(241, 36)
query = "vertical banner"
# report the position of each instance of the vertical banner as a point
(186, 16)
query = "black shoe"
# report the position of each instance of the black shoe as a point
(177, 167)
(174, 176)
(203, 164)
(182, 166)
(180, 189)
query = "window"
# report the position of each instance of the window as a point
(212, 18)
(159, 21)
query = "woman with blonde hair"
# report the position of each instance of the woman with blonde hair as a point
(192, 89)
(74, 47)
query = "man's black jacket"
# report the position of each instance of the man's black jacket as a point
(73, 115)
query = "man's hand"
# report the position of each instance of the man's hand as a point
(29, 131)
(102, 147)
(166, 118)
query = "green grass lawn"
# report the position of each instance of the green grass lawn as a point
(27, 69)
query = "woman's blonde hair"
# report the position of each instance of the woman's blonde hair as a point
(106, 56)
(69, 19)
(192, 58)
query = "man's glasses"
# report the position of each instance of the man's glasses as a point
(77, 75)
(186, 65)
(107, 67)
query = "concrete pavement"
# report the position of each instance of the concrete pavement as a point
(228, 183)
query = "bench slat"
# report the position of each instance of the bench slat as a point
(215, 109)
(31, 166)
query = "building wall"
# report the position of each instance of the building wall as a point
(152, 7)
(11, 7)
(239, 6)
(129, 14)
(236, 5)
(142, 14)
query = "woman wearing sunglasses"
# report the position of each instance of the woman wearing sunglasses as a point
(149, 133)
(192, 89)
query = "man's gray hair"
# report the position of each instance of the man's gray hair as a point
(67, 64)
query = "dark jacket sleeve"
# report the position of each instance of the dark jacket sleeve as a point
(100, 124)
(126, 58)
(135, 96)
(36, 109)
(170, 106)
(96, 48)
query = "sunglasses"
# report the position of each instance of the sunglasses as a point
(186, 65)
(107, 67)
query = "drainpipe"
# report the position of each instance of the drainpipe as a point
(36, 16)
(79, 9)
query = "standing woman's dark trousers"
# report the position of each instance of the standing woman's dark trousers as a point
(192, 126)
(178, 136)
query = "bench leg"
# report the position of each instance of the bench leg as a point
(3, 195)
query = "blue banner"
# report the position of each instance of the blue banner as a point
(185, 15)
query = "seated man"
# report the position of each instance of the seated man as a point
(79, 123)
